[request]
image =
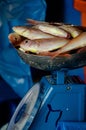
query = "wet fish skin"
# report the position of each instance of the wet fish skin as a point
(76, 43)
(31, 33)
(43, 45)
(73, 30)
(53, 30)
(49, 27)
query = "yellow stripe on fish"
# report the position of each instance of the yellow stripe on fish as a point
(73, 30)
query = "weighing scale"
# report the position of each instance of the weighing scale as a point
(55, 98)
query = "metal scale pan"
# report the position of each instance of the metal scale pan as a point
(46, 63)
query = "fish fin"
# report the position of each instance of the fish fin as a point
(47, 53)
(81, 50)
(64, 55)
(33, 22)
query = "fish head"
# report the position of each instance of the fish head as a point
(26, 42)
(14, 38)
(19, 29)
(29, 45)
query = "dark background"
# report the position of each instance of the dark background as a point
(62, 11)
(55, 10)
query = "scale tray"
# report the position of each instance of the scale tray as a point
(46, 63)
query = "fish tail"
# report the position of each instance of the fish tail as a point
(33, 22)
(55, 54)
(51, 54)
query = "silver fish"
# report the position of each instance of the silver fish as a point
(43, 45)
(75, 43)
(31, 33)
(53, 30)
(73, 30)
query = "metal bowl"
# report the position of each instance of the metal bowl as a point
(46, 63)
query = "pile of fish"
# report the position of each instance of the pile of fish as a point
(48, 39)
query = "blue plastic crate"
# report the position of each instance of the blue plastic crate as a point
(71, 126)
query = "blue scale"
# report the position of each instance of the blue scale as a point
(50, 102)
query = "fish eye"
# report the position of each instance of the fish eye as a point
(15, 39)
(26, 41)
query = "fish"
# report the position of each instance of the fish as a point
(43, 45)
(59, 28)
(75, 43)
(50, 28)
(53, 30)
(31, 33)
(35, 22)
(73, 30)
(15, 39)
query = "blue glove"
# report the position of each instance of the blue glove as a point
(12, 69)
